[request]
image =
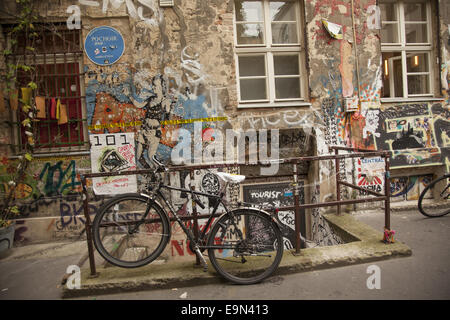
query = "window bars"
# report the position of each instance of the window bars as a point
(57, 62)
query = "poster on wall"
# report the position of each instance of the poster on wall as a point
(408, 132)
(104, 45)
(371, 173)
(277, 195)
(113, 153)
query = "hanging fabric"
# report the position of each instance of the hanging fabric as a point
(62, 114)
(40, 106)
(53, 108)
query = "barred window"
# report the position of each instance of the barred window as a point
(57, 62)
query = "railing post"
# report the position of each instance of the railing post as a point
(194, 212)
(387, 193)
(297, 209)
(88, 227)
(338, 178)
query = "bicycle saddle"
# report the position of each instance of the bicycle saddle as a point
(234, 178)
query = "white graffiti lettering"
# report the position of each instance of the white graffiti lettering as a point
(74, 20)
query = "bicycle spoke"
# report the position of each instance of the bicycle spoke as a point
(129, 233)
(245, 247)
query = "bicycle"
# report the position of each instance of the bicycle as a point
(440, 188)
(244, 245)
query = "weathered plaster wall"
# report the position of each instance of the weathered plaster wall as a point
(175, 68)
(351, 68)
(442, 119)
(179, 65)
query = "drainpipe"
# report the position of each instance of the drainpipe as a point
(356, 51)
(357, 79)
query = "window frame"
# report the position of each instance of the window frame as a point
(406, 49)
(269, 50)
(54, 59)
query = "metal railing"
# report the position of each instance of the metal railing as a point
(297, 207)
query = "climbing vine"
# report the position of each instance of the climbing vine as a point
(24, 27)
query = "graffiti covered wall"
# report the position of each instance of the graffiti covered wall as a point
(50, 195)
(178, 73)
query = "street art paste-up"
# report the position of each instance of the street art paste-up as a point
(113, 153)
(112, 116)
(408, 132)
(441, 123)
(334, 29)
(409, 188)
(371, 174)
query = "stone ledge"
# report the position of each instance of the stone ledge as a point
(368, 248)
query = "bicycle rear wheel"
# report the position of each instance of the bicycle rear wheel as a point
(245, 247)
(439, 191)
(130, 231)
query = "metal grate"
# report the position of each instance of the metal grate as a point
(57, 59)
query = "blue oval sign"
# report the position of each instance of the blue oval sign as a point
(104, 45)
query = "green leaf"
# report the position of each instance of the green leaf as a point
(25, 68)
(32, 85)
(15, 210)
(28, 156)
(26, 122)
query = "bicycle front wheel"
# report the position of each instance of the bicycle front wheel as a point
(439, 191)
(245, 246)
(130, 231)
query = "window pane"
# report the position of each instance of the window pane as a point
(253, 89)
(392, 75)
(283, 33)
(252, 66)
(388, 12)
(417, 62)
(389, 33)
(416, 33)
(282, 11)
(286, 64)
(418, 84)
(249, 11)
(250, 33)
(415, 12)
(287, 88)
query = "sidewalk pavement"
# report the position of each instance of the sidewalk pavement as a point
(38, 271)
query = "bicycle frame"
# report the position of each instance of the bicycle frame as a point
(219, 201)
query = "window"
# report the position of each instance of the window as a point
(57, 59)
(406, 46)
(268, 53)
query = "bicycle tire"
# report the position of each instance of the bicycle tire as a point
(442, 206)
(119, 223)
(250, 259)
